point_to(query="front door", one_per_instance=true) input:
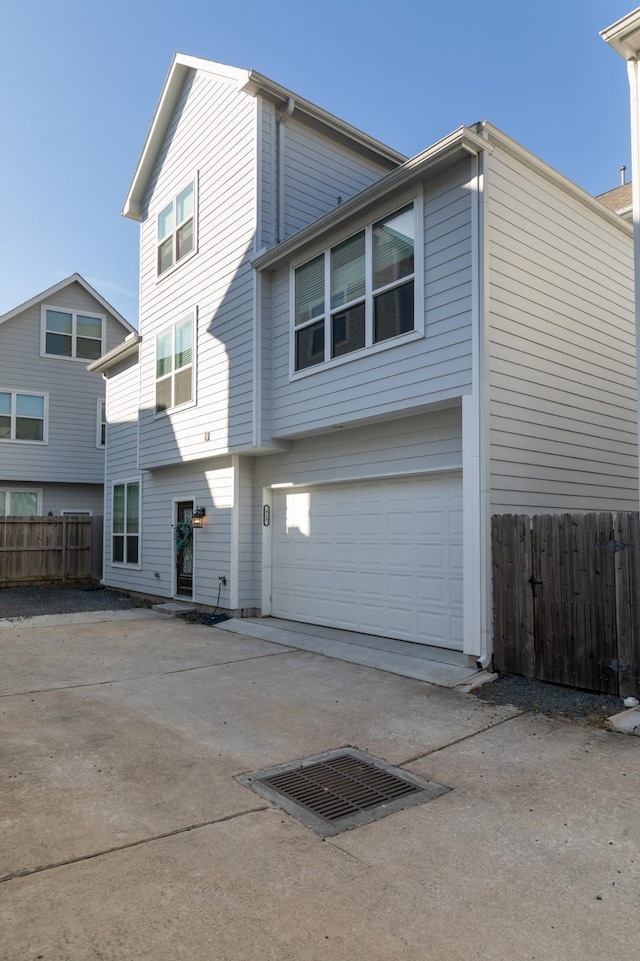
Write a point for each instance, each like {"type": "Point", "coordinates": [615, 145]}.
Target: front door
{"type": "Point", "coordinates": [184, 549]}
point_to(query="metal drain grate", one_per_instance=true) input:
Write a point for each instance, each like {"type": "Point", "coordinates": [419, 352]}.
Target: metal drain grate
{"type": "Point", "coordinates": [333, 792]}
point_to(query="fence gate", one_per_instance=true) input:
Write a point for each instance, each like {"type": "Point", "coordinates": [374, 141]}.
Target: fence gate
{"type": "Point", "coordinates": [567, 599]}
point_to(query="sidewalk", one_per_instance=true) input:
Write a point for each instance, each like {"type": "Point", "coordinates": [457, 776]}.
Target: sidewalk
{"type": "Point", "coordinates": [123, 739]}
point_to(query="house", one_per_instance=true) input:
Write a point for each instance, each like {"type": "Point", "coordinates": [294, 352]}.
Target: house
{"type": "Point", "coordinates": [52, 409]}
{"type": "Point", "coordinates": [350, 360]}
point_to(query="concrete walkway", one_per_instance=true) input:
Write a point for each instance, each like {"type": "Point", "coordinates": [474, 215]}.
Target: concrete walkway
{"type": "Point", "coordinates": [126, 835]}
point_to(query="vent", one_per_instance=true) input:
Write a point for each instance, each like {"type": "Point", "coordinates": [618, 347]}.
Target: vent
{"type": "Point", "coordinates": [340, 790]}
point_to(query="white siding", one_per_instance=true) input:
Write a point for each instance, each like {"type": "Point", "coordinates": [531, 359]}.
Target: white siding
{"type": "Point", "coordinates": [429, 442]}
{"type": "Point", "coordinates": [405, 377]}
{"type": "Point", "coordinates": [213, 132]}
{"type": "Point", "coordinates": [318, 172]}
{"type": "Point", "coordinates": [245, 506]}
{"type": "Point", "coordinates": [562, 386]}
{"type": "Point", "coordinates": [64, 497]}
{"type": "Point", "coordinates": [71, 454]}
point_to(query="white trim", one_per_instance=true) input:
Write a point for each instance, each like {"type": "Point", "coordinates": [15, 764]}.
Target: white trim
{"type": "Point", "coordinates": [174, 571]}
{"type": "Point", "coordinates": [356, 478]}
{"type": "Point", "coordinates": [193, 317]}
{"type": "Point", "coordinates": [265, 593]}
{"type": "Point", "coordinates": [134, 479]}
{"type": "Point", "coordinates": [50, 291]}
{"type": "Point", "coordinates": [416, 202]}
{"type": "Point", "coordinates": [234, 552]}
{"type": "Point", "coordinates": [23, 490]}
{"type": "Point", "coordinates": [100, 402]}
{"type": "Point", "coordinates": [45, 419]}
{"type": "Point", "coordinates": [195, 182]}
{"type": "Point", "coordinates": [94, 315]}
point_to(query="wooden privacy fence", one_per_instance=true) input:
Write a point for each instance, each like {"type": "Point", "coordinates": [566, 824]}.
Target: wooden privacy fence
{"type": "Point", "coordinates": [38, 549]}
{"type": "Point", "coordinates": [566, 599]}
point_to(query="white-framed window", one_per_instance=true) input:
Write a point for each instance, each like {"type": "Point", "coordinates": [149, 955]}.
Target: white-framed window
{"type": "Point", "coordinates": [175, 382]}
{"type": "Point", "coordinates": [101, 423]}
{"type": "Point", "coordinates": [176, 229]}
{"type": "Point", "coordinates": [23, 417]}
{"type": "Point", "coordinates": [125, 522]}
{"type": "Point", "coordinates": [72, 334]}
{"type": "Point", "coordinates": [20, 503]}
{"type": "Point", "coordinates": [359, 293]}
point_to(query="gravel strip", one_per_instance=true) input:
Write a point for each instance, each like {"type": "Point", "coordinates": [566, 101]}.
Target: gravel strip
{"type": "Point", "coordinates": [553, 700]}
{"type": "Point", "coordinates": [35, 601]}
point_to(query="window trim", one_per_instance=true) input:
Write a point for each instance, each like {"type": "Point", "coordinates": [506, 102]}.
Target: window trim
{"type": "Point", "coordinates": [74, 335]}
{"type": "Point", "coordinates": [101, 401]}
{"type": "Point", "coordinates": [194, 180]}
{"type": "Point", "coordinates": [83, 513]}
{"type": "Point", "coordinates": [193, 317]}
{"type": "Point", "coordinates": [45, 418]}
{"type": "Point", "coordinates": [371, 347]}
{"type": "Point", "coordinates": [24, 490]}
{"type": "Point", "coordinates": [136, 479]}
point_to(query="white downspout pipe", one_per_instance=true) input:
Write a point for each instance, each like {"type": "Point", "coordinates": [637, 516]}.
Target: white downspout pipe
{"type": "Point", "coordinates": [280, 123]}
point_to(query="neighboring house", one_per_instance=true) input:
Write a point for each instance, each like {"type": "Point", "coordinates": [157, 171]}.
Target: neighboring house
{"type": "Point", "coordinates": [352, 360]}
{"type": "Point", "coordinates": [619, 200]}
{"type": "Point", "coordinates": [52, 409]}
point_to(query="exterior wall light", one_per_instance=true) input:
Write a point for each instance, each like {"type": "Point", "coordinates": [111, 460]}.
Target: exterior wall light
{"type": "Point", "coordinates": [197, 518]}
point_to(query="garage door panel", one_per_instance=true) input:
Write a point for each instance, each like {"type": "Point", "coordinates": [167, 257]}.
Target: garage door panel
{"type": "Point", "coordinates": [383, 557]}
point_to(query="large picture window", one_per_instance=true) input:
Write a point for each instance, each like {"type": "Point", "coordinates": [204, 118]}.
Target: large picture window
{"type": "Point", "coordinates": [125, 523]}
{"type": "Point", "coordinates": [71, 334]}
{"type": "Point", "coordinates": [19, 503]}
{"type": "Point", "coordinates": [359, 293]}
{"type": "Point", "coordinates": [23, 417]}
{"type": "Point", "coordinates": [174, 366]}
{"type": "Point", "coordinates": [176, 229]}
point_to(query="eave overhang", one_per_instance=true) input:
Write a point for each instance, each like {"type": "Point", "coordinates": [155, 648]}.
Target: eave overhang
{"type": "Point", "coordinates": [624, 35]}
{"type": "Point", "coordinates": [128, 348]}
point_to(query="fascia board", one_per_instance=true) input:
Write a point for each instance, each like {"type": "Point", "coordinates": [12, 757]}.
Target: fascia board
{"type": "Point", "coordinates": [257, 83]}
{"type": "Point", "coordinates": [126, 349]}
{"type": "Point", "coordinates": [624, 35]}
{"type": "Point", "coordinates": [73, 279]}
{"type": "Point", "coordinates": [457, 144]}
{"type": "Point", "coordinates": [499, 139]}
{"type": "Point", "coordinates": [180, 67]}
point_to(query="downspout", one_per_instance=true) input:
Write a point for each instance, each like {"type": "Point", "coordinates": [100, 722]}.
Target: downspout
{"type": "Point", "coordinates": [280, 125]}
{"type": "Point", "coordinates": [634, 80]}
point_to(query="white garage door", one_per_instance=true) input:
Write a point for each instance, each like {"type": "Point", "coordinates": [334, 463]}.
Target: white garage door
{"type": "Point", "coordinates": [380, 557]}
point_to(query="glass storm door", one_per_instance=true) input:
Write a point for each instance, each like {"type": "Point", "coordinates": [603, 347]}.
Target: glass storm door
{"type": "Point", "coordinates": [184, 556]}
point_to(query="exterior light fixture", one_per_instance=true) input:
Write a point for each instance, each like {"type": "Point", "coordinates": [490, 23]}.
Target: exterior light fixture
{"type": "Point", "coordinates": [197, 518]}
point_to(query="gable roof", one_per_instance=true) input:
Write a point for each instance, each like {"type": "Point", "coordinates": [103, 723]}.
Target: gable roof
{"type": "Point", "coordinates": [620, 199]}
{"type": "Point", "coordinates": [73, 279]}
{"type": "Point", "coordinates": [252, 83]}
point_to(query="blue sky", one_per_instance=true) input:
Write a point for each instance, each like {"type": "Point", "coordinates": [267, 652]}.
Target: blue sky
{"type": "Point", "coordinates": [80, 81]}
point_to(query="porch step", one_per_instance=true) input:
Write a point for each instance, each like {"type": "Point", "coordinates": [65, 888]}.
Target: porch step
{"type": "Point", "coordinates": [173, 608]}
{"type": "Point", "coordinates": [385, 654]}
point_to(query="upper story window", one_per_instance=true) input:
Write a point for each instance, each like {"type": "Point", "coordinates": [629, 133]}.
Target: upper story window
{"type": "Point", "coordinates": [176, 229]}
{"type": "Point", "coordinates": [101, 426]}
{"type": "Point", "coordinates": [23, 417]}
{"type": "Point", "coordinates": [72, 334]}
{"type": "Point", "coordinates": [359, 293]}
{"type": "Point", "coordinates": [174, 366]}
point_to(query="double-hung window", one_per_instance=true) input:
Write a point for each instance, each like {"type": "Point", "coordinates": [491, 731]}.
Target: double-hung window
{"type": "Point", "coordinates": [72, 334]}
{"type": "Point", "coordinates": [359, 293]}
{"type": "Point", "coordinates": [125, 523]}
{"type": "Point", "coordinates": [19, 503]}
{"type": "Point", "coordinates": [174, 366]}
{"type": "Point", "coordinates": [101, 425]}
{"type": "Point", "coordinates": [23, 417]}
{"type": "Point", "coordinates": [176, 229]}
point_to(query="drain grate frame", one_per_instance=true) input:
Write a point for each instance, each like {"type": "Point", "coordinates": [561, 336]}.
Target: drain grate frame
{"type": "Point", "coordinates": [341, 789]}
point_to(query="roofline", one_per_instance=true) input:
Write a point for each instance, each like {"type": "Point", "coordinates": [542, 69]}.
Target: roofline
{"type": "Point", "coordinates": [252, 83]}
{"type": "Point", "coordinates": [461, 141]}
{"type": "Point", "coordinates": [50, 291]}
{"type": "Point", "coordinates": [257, 83]}
{"type": "Point", "coordinates": [470, 140]}
{"type": "Point", "coordinates": [624, 35]}
{"type": "Point", "coordinates": [126, 349]}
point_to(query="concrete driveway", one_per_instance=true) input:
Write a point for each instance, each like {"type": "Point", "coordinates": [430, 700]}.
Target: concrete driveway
{"type": "Point", "coordinates": [126, 836]}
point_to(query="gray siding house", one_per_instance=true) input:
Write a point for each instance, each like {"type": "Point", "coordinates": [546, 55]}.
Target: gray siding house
{"type": "Point", "coordinates": [351, 360]}
{"type": "Point", "coordinates": [52, 409]}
